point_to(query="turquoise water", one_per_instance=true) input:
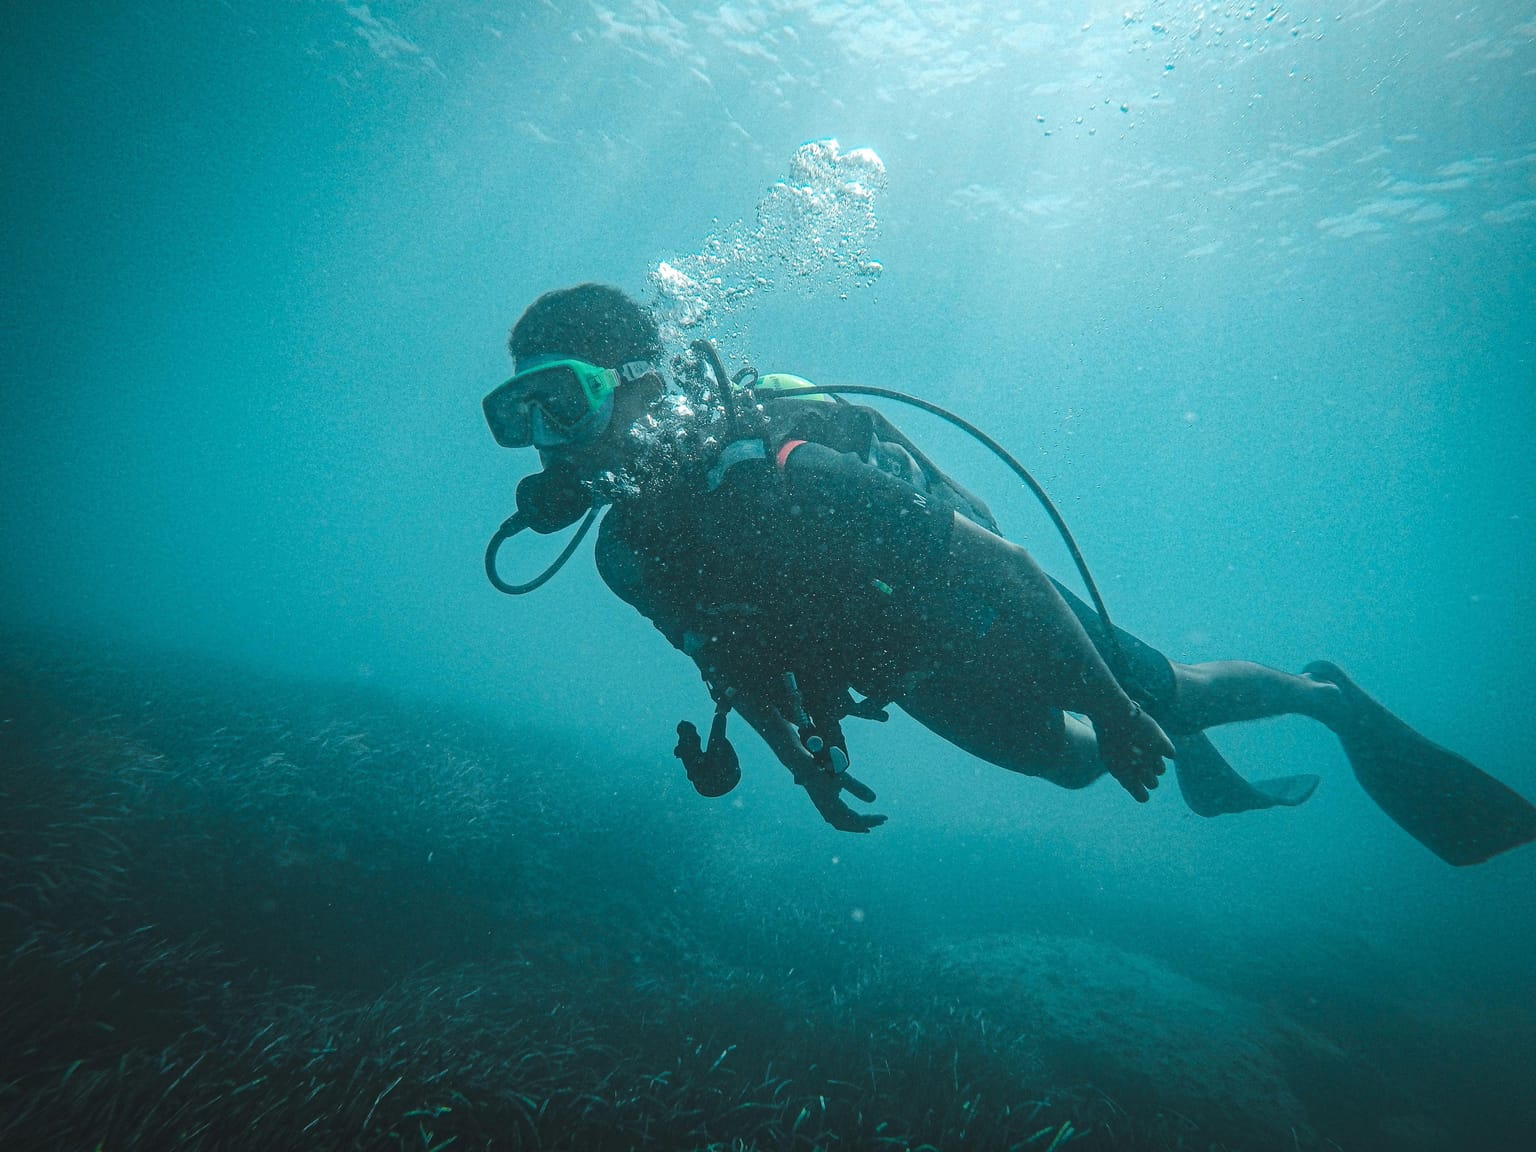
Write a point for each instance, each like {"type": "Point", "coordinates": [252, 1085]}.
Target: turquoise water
{"type": "Point", "coordinates": [1248, 286]}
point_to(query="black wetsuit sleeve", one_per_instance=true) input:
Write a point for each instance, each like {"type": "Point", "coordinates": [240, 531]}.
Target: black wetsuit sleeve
{"type": "Point", "coordinates": [639, 575]}
{"type": "Point", "coordinates": [966, 502]}
{"type": "Point", "coordinates": [621, 566]}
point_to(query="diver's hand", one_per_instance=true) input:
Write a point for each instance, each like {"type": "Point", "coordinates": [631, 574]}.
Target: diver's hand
{"type": "Point", "coordinates": [824, 788]}
{"type": "Point", "coordinates": [825, 791]}
{"type": "Point", "coordinates": [1132, 746]}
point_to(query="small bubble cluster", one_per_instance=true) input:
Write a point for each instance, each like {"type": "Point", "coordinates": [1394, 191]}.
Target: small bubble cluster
{"type": "Point", "coordinates": [674, 437]}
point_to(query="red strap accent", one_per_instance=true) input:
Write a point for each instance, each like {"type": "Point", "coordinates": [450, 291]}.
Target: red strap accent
{"type": "Point", "coordinates": [783, 454]}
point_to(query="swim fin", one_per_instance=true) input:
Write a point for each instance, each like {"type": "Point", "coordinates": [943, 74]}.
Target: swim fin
{"type": "Point", "coordinates": [1211, 788]}
{"type": "Point", "coordinates": [1444, 801]}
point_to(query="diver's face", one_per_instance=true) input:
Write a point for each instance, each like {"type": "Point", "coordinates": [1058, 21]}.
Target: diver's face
{"type": "Point", "coordinates": [606, 452]}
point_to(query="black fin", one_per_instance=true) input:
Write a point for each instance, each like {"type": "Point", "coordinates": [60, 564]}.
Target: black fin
{"type": "Point", "coordinates": [1444, 801]}
{"type": "Point", "coordinates": [1211, 788]}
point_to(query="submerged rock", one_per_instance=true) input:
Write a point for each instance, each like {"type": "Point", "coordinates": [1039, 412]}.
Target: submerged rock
{"type": "Point", "coordinates": [1148, 1037]}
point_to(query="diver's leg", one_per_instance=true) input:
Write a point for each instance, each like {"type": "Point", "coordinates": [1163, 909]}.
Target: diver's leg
{"type": "Point", "coordinates": [1230, 691]}
{"type": "Point", "coordinates": [926, 556]}
{"type": "Point", "coordinates": [1011, 733]}
{"type": "Point", "coordinates": [1054, 657]}
{"type": "Point", "coordinates": [1079, 765]}
{"type": "Point", "coordinates": [1207, 782]}
{"type": "Point", "coordinates": [1187, 698]}
{"type": "Point", "coordinates": [983, 716]}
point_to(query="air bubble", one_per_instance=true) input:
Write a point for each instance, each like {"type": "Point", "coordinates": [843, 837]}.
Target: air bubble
{"type": "Point", "coordinates": [812, 229]}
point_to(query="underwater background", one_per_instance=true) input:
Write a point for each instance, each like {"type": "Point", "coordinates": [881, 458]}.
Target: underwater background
{"type": "Point", "coordinates": [310, 839]}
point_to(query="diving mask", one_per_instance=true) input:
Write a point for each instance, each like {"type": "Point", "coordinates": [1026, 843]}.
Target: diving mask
{"type": "Point", "coordinates": [556, 400]}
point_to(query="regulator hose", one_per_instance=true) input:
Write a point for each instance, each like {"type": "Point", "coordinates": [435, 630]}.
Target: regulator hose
{"type": "Point", "coordinates": [510, 527]}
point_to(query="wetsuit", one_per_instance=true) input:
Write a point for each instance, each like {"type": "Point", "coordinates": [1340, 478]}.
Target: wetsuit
{"type": "Point", "coordinates": [832, 562]}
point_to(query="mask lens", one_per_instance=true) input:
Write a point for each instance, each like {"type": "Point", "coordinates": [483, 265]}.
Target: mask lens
{"type": "Point", "coordinates": [555, 392]}
{"type": "Point", "coordinates": [509, 417]}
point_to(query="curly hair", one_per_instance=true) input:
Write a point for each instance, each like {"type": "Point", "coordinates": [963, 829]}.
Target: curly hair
{"type": "Point", "coordinates": [597, 323]}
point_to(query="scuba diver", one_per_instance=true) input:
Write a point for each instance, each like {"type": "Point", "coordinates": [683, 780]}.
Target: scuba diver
{"type": "Point", "coordinates": [801, 549]}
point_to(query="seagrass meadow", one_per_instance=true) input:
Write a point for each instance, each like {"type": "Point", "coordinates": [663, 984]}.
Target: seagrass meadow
{"type": "Point", "coordinates": [251, 915]}
{"type": "Point", "coordinates": [243, 912]}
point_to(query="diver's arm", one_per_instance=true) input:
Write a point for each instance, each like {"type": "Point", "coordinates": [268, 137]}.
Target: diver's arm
{"type": "Point", "coordinates": [620, 567]}
{"type": "Point", "coordinates": [778, 733]}
{"type": "Point", "coordinates": [1067, 670]}
{"type": "Point", "coordinates": [933, 474]}
{"type": "Point", "coordinates": [824, 789]}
